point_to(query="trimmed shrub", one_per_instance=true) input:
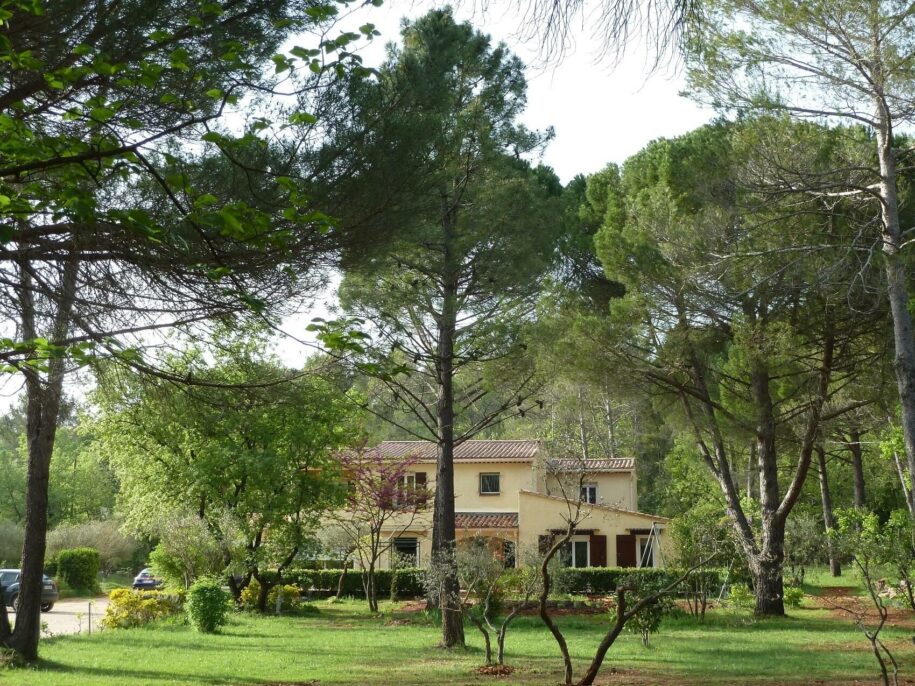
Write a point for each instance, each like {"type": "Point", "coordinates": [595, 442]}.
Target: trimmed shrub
{"type": "Point", "coordinates": [207, 605]}
{"type": "Point", "coordinates": [114, 548]}
{"type": "Point", "coordinates": [291, 596]}
{"type": "Point", "coordinates": [604, 580]}
{"type": "Point", "coordinates": [79, 568]}
{"type": "Point", "coordinates": [128, 609]}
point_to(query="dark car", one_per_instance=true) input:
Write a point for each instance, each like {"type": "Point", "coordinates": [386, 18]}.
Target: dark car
{"type": "Point", "coordinates": [146, 581]}
{"type": "Point", "coordinates": [9, 579]}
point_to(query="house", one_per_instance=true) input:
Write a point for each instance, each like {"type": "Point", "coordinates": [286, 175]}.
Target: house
{"type": "Point", "coordinates": [513, 495]}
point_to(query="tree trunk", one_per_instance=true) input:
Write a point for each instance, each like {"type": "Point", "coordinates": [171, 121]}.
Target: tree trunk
{"type": "Point", "coordinates": [371, 592]}
{"type": "Point", "coordinates": [544, 611]}
{"type": "Point", "coordinates": [443, 529]}
{"type": "Point", "coordinates": [897, 287]}
{"type": "Point", "coordinates": [341, 580]}
{"type": "Point", "coordinates": [766, 570]}
{"type": "Point", "coordinates": [42, 413]}
{"type": "Point", "coordinates": [582, 429]}
{"type": "Point", "coordinates": [262, 593]}
{"type": "Point", "coordinates": [611, 424]}
{"type": "Point", "coordinates": [857, 468]}
{"type": "Point", "coordinates": [829, 520]}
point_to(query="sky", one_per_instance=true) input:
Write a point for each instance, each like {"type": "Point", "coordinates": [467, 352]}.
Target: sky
{"type": "Point", "coordinates": [601, 113]}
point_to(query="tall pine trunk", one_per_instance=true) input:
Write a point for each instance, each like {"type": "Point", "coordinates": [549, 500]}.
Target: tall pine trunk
{"type": "Point", "coordinates": [829, 520]}
{"type": "Point", "coordinates": [897, 287]}
{"type": "Point", "coordinates": [443, 528]}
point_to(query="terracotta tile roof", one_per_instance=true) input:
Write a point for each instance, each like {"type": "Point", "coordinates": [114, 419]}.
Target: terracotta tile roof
{"type": "Point", "coordinates": [615, 464]}
{"type": "Point", "coordinates": [523, 451]}
{"type": "Point", "coordinates": [486, 520]}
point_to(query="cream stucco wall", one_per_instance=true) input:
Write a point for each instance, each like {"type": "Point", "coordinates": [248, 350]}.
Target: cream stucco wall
{"type": "Point", "coordinates": [615, 489]}
{"type": "Point", "coordinates": [539, 515]}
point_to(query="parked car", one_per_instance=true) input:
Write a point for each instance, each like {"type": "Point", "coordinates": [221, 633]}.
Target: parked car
{"type": "Point", "coordinates": [9, 579]}
{"type": "Point", "coordinates": [146, 581]}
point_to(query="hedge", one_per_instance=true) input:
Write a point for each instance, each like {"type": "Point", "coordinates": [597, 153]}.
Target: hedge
{"type": "Point", "coordinates": [604, 580]}
{"type": "Point", "coordinates": [409, 581]}
{"type": "Point", "coordinates": [79, 568]}
{"type": "Point", "coordinates": [589, 580]}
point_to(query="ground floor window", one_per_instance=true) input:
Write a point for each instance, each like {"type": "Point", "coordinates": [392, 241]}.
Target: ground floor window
{"type": "Point", "coordinates": [406, 551]}
{"type": "Point", "coordinates": [576, 553]}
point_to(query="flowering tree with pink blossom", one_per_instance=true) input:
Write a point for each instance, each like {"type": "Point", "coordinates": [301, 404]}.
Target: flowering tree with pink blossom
{"type": "Point", "coordinates": [383, 498]}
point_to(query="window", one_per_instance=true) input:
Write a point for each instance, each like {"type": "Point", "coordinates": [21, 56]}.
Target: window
{"type": "Point", "coordinates": [407, 550]}
{"type": "Point", "coordinates": [489, 484]}
{"type": "Point", "coordinates": [589, 493]}
{"type": "Point", "coordinates": [646, 552]}
{"type": "Point", "coordinates": [576, 553]}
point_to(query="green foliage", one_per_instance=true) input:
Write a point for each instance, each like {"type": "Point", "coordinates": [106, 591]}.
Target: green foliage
{"type": "Point", "coordinates": [290, 594]}
{"type": "Point", "coordinates": [207, 605]}
{"type": "Point", "coordinates": [186, 551]}
{"type": "Point", "coordinates": [793, 596]}
{"type": "Point", "coordinates": [128, 609]}
{"type": "Point", "coordinates": [805, 546]}
{"type": "Point", "coordinates": [646, 621]}
{"type": "Point", "coordinates": [79, 568]}
{"type": "Point", "coordinates": [605, 580]}
{"type": "Point", "coordinates": [114, 548]}
{"type": "Point", "coordinates": [740, 597]}
{"type": "Point", "coordinates": [11, 536]}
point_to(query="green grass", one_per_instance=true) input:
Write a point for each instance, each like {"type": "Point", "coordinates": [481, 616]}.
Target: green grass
{"type": "Point", "coordinates": [344, 645]}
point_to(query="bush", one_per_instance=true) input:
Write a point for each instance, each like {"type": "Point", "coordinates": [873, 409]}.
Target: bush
{"type": "Point", "coordinates": [740, 597]}
{"type": "Point", "coordinates": [604, 580]}
{"type": "Point", "coordinates": [11, 536]}
{"type": "Point", "coordinates": [207, 605]}
{"type": "Point", "coordinates": [79, 568]}
{"type": "Point", "coordinates": [291, 596]}
{"type": "Point", "coordinates": [793, 596]}
{"type": "Point", "coordinates": [128, 609]}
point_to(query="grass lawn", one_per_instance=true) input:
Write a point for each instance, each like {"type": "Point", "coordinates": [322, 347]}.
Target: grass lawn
{"type": "Point", "coordinates": [343, 644]}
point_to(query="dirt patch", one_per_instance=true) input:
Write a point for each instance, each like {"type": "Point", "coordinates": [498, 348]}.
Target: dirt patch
{"type": "Point", "coordinates": [842, 603]}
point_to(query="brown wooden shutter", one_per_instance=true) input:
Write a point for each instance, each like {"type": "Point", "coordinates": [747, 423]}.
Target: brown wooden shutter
{"type": "Point", "coordinates": [625, 550]}
{"type": "Point", "coordinates": [420, 479]}
{"type": "Point", "coordinates": [598, 551]}
{"type": "Point", "coordinates": [544, 542]}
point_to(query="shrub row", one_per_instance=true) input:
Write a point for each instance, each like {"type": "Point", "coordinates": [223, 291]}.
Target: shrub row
{"type": "Point", "coordinates": [409, 581]}
{"type": "Point", "coordinates": [604, 580]}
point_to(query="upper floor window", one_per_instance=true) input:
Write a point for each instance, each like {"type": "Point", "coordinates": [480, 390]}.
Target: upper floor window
{"type": "Point", "coordinates": [489, 484]}
{"type": "Point", "coordinates": [589, 493]}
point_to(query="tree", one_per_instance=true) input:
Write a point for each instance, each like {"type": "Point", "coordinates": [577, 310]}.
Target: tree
{"type": "Point", "coordinates": [712, 317]}
{"type": "Point", "coordinates": [449, 297]}
{"type": "Point", "coordinates": [108, 228]}
{"type": "Point", "coordinates": [253, 464]}
{"type": "Point", "coordinates": [845, 61]}
{"type": "Point", "coordinates": [381, 504]}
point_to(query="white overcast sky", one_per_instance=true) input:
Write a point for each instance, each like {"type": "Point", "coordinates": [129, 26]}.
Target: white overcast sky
{"type": "Point", "coordinates": [601, 113]}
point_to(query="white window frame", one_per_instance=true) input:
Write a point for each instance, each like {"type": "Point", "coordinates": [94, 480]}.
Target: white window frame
{"type": "Point", "coordinates": [571, 550]}
{"type": "Point", "coordinates": [498, 476]}
{"type": "Point", "coordinates": [586, 491]}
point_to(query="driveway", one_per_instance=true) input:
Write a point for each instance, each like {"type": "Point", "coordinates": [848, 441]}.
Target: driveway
{"type": "Point", "coordinates": [72, 616]}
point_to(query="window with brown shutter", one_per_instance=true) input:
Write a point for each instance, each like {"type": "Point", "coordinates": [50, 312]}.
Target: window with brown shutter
{"type": "Point", "coordinates": [625, 550]}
